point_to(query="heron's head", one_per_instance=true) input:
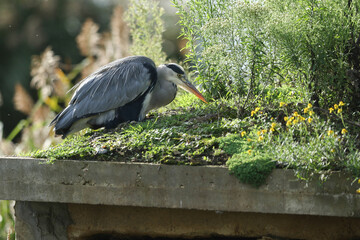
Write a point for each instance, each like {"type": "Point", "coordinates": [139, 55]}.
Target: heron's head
{"type": "Point", "coordinates": [176, 74]}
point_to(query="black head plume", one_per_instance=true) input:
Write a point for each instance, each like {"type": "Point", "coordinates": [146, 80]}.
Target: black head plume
{"type": "Point", "coordinates": [175, 68]}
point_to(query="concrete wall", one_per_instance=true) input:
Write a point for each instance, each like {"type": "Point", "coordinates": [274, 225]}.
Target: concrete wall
{"type": "Point", "coordinates": [60, 221]}
{"type": "Point", "coordinates": [192, 200]}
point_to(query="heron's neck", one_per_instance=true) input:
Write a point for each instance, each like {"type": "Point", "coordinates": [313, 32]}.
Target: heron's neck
{"type": "Point", "coordinates": [164, 93]}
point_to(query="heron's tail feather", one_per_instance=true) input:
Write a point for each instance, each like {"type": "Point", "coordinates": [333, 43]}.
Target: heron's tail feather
{"type": "Point", "coordinates": [64, 122]}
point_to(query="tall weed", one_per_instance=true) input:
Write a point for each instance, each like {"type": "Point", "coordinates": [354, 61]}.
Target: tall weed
{"type": "Point", "coordinates": [229, 47]}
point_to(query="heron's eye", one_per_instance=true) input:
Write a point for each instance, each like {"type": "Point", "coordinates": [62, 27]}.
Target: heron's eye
{"type": "Point", "coordinates": [179, 75]}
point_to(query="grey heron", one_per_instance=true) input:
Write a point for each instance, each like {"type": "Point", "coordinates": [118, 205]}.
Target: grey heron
{"type": "Point", "coordinates": [123, 90]}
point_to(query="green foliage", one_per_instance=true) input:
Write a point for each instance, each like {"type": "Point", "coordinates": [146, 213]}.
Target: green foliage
{"type": "Point", "coordinates": [249, 49]}
{"type": "Point", "coordinates": [306, 142]}
{"type": "Point", "coordinates": [316, 43]}
{"type": "Point", "coordinates": [227, 47]}
{"type": "Point", "coordinates": [253, 170]}
{"type": "Point", "coordinates": [232, 143]}
{"type": "Point", "coordinates": [6, 221]}
{"type": "Point", "coordinates": [265, 53]}
{"type": "Point", "coordinates": [146, 28]}
{"type": "Point", "coordinates": [247, 163]}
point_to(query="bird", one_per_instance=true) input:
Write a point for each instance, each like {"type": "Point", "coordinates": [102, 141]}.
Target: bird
{"type": "Point", "coordinates": [124, 90]}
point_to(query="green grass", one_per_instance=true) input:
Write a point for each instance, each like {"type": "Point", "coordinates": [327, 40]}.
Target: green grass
{"type": "Point", "coordinates": [189, 132]}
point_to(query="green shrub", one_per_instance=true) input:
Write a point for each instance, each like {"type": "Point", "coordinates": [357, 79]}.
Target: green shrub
{"type": "Point", "coordinates": [248, 49]}
{"type": "Point", "coordinates": [251, 170]}
{"type": "Point", "coordinates": [227, 47]}
{"type": "Point", "coordinates": [319, 47]}
{"type": "Point", "coordinates": [250, 162]}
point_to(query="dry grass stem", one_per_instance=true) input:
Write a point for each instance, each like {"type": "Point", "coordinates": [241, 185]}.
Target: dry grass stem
{"type": "Point", "coordinates": [41, 114]}
{"type": "Point", "coordinates": [43, 71]}
{"type": "Point", "coordinates": [22, 100]}
{"type": "Point", "coordinates": [103, 48]}
{"type": "Point", "coordinates": [88, 39]}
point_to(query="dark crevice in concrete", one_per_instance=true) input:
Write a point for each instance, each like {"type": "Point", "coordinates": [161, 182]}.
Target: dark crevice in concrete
{"type": "Point", "coordinates": [113, 236]}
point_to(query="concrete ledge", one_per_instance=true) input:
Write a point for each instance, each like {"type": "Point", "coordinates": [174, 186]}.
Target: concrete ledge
{"type": "Point", "coordinates": [178, 187]}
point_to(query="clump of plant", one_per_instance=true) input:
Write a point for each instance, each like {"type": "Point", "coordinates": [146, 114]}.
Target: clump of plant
{"type": "Point", "coordinates": [247, 50]}
{"type": "Point", "coordinates": [252, 170]}
{"type": "Point", "coordinates": [319, 48]}
{"type": "Point", "coordinates": [228, 47]}
{"type": "Point", "coordinates": [314, 145]}
{"type": "Point", "coordinates": [249, 162]}
{"type": "Point", "coordinates": [301, 140]}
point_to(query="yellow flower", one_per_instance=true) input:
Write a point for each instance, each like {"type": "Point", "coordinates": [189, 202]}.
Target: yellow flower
{"type": "Point", "coordinates": [249, 140]}
{"type": "Point", "coordinates": [263, 131]}
{"type": "Point", "coordinates": [258, 133]}
{"type": "Point", "coordinates": [272, 129]}
{"type": "Point", "coordinates": [309, 105]}
{"type": "Point", "coordinates": [344, 131]}
{"type": "Point", "coordinates": [336, 106]}
{"type": "Point", "coordinates": [249, 151]}
{"type": "Point", "coordinates": [310, 120]}
{"type": "Point", "coordinates": [260, 138]}
{"type": "Point", "coordinates": [286, 119]}
{"type": "Point", "coordinates": [359, 181]}
{"type": "Point", "coordinates": [358, 191]}
{"type": "Point", "coordinates": [252, 113]}
{"type": "Point", "coordinates": [273, 125]}
{"type": "Point", "coordinates": [295, 121]}
{"type": "Point", "coordinates": [330, 132]}
{"type": "Point", "coordinates": [243, 133]}
{"type": "Point", "coordinates": [311, 113]}
{"type": "Point", "coordinates": [288, 123]}
{"type": "Point", "coordinates": [282, 104]}
{"type": "Point", "coordinates": [306, 110]}
{"type": "Point", "coordinates": [296, 114]}
{"type": "Point", "coordinates": [339, 110]}
{"type": "Point", "coordinates": [257, 109]}
{"type": "Point", "coordinates": [331, 110]}
{"type": "Point", "coordinates": [332, 150]}
{"type": "Point", "coordinates": [341, 103]}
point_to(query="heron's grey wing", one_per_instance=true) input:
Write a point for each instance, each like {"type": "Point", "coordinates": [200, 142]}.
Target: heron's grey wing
{"type": "Point", "coordinates": [113, 86]}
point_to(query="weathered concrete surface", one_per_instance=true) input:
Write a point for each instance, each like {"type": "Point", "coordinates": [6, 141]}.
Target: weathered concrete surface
{"type": "Point", "coordinates": [160, 222]}
{"type": "Point", "coordinates": [59, 221]}
{"type": "Point", "coordinates": [39, 220]}
{"type": "Point", "coordinates": [164, 186]}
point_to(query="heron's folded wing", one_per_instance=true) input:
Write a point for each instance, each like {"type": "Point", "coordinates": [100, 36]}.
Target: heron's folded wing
{"type": "Point", "coordinates": [113, 86]}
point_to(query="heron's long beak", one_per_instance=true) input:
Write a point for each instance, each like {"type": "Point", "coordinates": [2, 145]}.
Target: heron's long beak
{"type": "Point", "coordinates": [187, 86]}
